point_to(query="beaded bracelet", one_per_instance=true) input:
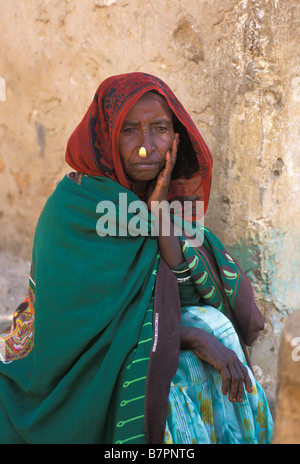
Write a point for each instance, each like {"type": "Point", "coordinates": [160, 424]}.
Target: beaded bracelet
{"type": "Point", "coordinates": [180, 272]}
{"type": "Point", "coordinates": [180, 280]}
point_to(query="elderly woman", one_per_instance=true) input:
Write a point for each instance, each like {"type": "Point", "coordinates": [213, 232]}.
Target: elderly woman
{"type": "Point", "coordinates": [132, 337]}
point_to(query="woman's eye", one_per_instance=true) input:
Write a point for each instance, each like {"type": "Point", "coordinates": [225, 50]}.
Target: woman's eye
{"type": "Point", "coordinates": [161, 129]}
{"type": "Point", "coordinates": [128, 130]}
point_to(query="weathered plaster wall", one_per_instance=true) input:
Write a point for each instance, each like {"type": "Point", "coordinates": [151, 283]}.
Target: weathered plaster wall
{"type": "Point", "coordinates": [235, 66]}
{"type": "Point", "coordinates": [287, 426]}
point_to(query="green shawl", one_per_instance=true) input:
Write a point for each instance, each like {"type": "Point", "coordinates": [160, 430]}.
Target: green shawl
{"type": "Point", "coordinates": [100, 366]}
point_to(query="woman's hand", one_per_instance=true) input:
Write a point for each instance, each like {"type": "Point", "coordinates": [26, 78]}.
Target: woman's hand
{"type": "Point", "coordinates": [158, 190]}
{"type": "Point", "coordinates": [233, 372]}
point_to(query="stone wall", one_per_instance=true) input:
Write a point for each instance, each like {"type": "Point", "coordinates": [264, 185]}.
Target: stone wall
{"type": "Point", "coordinates": [234, 64]}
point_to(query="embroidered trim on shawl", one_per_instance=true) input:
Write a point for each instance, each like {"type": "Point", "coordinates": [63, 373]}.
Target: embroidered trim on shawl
{"type": "Point", "coordinates": [18, 342]}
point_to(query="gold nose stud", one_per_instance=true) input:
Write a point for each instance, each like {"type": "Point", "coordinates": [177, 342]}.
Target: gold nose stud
{"type": "Point", "coordinates": [142, 152]}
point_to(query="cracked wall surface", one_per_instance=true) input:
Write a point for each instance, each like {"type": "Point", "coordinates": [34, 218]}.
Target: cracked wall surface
{"type": "Point", "coordinates": [235, 67]}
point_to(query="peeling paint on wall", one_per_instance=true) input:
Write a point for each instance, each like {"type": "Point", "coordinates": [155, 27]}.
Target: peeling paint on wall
{"type": "Point", "coordinates": [271, 262]}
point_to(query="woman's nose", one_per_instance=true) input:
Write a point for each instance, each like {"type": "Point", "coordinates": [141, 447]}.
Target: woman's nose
{"type": "Point", "coordinates": [147, 142]}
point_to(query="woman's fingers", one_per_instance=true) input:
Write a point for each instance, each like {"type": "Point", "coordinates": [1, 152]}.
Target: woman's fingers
{"type": "Point", "coordinates": [174, 149]}
{"type": "Point", "coordinates": [166, 172]}
{"type": "Point", "coordinates": [238, 379]}
{"type": "Point", "coordinates": [226, 379]}
{"type": "Point", "coordinates": [171, 157]}
{"type": "Point", "coordinates": [247, 380]}
{"type": "Point", "coordinates": [232, 383]}
{"type": "Point", "coordinates": [163, 179]}
{"type": "Point", "coordinates": [235, 377]}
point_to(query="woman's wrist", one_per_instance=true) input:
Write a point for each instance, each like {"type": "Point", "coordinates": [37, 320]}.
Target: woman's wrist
{"type": "Point", "coordinates": [189, 337]}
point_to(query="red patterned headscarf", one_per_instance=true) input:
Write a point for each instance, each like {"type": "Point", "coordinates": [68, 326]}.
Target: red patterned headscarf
{"type": "Point", "coordinates": [93, 146]}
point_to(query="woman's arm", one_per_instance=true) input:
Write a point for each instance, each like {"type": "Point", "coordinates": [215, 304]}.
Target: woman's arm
{"type": "Point", "coordinates": [169, 246]}
{"type": "Point", "coordinates": [205, 346]}
{"type": "Point", "coordinates": [233, 372]}
{"type": "Point", "coordinates": [169, 243]}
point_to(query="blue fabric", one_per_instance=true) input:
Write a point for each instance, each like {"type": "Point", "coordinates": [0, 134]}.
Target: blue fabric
{"type": "Point", "coordinates": [198, 412]}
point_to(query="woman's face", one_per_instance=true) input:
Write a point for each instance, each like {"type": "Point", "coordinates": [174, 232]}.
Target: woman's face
{"type": "Point", "coordinates": [147, 124]}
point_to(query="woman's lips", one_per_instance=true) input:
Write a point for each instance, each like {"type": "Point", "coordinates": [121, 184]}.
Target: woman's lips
{"type": "Point", "coordinates": [147, 165]}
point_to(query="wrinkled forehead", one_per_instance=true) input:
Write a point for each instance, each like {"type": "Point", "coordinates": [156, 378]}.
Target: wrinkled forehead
{"type": "Point", "coordinates": [150, 102]}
